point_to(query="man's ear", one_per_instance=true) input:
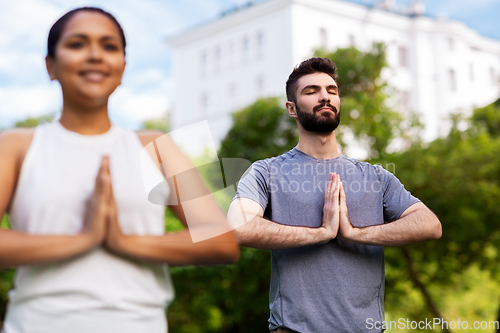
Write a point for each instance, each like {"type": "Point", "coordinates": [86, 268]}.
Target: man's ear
{"type": "Point", "coordinates": [48, 64]}
{"type": "Point", "coordinates": [290, 108]}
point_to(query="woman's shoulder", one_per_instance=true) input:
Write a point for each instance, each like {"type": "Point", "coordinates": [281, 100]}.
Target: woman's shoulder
{"type": "Point", "coordinates": [146, 136]}
{"type": "Point", "coordinates": [14, 145]}
{"type": "Point", "coordinates": [16, 140]}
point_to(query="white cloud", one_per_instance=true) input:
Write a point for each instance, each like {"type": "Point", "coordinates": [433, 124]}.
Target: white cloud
{"type": "Point", "coordinates": [26, 21]}
{"type": "Point", "coordinates": [19, 102]}
{"type": "Point", "coordinates": [144, 77]}
{"type": "Point", "coordinates": [138, 106]}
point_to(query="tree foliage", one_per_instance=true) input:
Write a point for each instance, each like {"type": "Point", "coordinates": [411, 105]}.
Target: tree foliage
{"type": "Point", "coordinates": [366, 108]}
{"type": "Point", "coordinates": [261, 130]}
{"type": "Point", "coordinates": [458, 177]}
{"type": "Point", "coordinates": [222, 299]}
{"type": "Point", "coordinates": [34, 121]}
{"type": "Point", "coordinates": [161, 123]}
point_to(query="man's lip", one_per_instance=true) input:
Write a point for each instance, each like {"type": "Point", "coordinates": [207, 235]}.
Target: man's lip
{"type": "Point", "coordinates": [326, 108]}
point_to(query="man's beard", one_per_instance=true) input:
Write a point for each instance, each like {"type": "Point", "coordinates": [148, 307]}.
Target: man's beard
{"type": "Point", "coordinates": [311, 122]}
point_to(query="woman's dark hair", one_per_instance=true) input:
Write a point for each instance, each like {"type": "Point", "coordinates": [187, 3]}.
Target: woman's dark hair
{"type": "Point", "coordinates": [58, 27]}
{"type": "Point", "coordinates": [309, 66]}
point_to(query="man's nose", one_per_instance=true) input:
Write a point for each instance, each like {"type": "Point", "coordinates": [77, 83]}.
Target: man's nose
{"type": "Point", "coordinates": [324, 96]}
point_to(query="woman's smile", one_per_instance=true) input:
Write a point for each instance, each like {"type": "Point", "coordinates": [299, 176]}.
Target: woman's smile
{"type": "Point", "coordinates": [89, 60]}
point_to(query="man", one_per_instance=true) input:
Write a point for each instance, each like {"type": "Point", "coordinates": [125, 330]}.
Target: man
{"type": "Point", "coordinates": [324, 218]}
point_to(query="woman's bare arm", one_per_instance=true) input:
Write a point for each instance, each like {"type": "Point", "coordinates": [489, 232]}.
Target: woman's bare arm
{"type": "Point", "coordinates": [18, 248]}
{"type": "Point", "coordinates": [208, 238]}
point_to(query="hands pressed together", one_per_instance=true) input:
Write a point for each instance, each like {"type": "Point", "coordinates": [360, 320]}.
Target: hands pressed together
{"type": "Point", "coordinates": [101, 227]}
{"type": "Point", "coordinates": [101, 220]}
{"type": "Point", "coordinates": [335, 216]}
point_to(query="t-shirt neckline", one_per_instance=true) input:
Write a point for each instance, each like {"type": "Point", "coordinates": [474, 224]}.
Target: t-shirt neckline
{"type": "Point", "coordinates": [296, 151]}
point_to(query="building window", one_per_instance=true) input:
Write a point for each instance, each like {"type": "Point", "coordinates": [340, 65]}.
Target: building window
{"type": "Point", "coordinates": [217, 58]}
{"type": "Point", "coordinates": [323, 38]}
{"type": "Point", "coordinates": [245, 45]}
{"type": "Point", "coordinates": [204, 103]}
{"type": "Point", "coordinates": [233, 94]}
{"type": "Point", "coordinates": [259, 85]}
{"type": "Point", "coordinates": [403, 57]}
{"type": "Point", "coordinates": [452, 79]}
{"type": "Point", "coordinates": [451, 44]}
{"type": "Point", "coordinates": [260, 45]}
{"type": "Point", "coordinates": [471, 72]}
{"type": "Point", "coordinates": [203, 63]}
{"type": "Point", "coordinates": [231, 54]}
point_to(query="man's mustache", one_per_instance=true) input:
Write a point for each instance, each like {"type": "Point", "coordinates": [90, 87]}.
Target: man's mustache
{"type": "Point", "coordinates": [322, 105]}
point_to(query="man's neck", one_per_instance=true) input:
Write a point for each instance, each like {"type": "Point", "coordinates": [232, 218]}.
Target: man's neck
{"type": "Point", "coordinates": [321, 146]}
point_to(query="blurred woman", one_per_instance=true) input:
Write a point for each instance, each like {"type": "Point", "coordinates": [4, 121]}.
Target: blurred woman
{"type": "Point", "coordinates": [87, 243]}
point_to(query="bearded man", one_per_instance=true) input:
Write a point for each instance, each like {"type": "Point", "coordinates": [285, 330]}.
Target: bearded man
{"type": "Point", "coordinates": [325, 217]}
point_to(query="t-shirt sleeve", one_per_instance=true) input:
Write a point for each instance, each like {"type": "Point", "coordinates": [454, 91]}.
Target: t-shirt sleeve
{"type": "Point", "coordinates": [254, 184]}
{"type": "Point", "coordinates": [396, 199]}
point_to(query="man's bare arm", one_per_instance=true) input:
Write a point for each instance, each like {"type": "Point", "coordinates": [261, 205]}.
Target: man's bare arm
{"type": "Point", "coordinates": [416, 224]}
{"type": "Point", "coordinates": [252, 230]}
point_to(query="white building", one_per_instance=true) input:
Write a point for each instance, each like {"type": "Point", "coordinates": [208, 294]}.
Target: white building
{"type": "Point", "coordinates": [437, 66]}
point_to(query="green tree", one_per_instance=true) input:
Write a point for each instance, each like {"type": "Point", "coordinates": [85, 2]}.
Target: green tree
{"type": "Point", "coordinates": [34, 121]}
{"type": "Point", "coordinates": [458, 177]}
{"type": "Point", "coordinates": [161, 123]}
{"type": "Point", "coordinates": [235, 298]}
{"type": "Point", "coordinates": [261, 130]}
{"type": "Point", "coordinates": [222, 299]}
{"type": "Point", "coordinates": [366, 107]}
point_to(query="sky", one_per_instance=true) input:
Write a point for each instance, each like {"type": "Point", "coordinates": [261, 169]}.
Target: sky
{"type": "Point", "coordinates": [147, 86]}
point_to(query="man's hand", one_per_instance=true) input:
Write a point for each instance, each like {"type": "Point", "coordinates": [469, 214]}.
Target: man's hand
{"type": "Point", "coordinates": [416, 224]}
{"type": "Point", "coordinates": [346, 230]}
{"type": "Point", "coordinates": [331, 208]}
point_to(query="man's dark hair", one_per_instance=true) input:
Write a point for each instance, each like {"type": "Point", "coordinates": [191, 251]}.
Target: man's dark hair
{"type": "Point", "coordinates": [306, 67]}
{"type": "Point", "coordinates": [58, 27]}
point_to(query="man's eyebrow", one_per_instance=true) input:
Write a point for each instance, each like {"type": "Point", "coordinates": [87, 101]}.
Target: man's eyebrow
{"type": "Point", "coordinates": [310, 86]}
{"type": "Point", "coordinates": [316, 87]}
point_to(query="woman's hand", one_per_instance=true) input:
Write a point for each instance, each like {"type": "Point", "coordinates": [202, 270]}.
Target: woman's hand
{"type": "Point", "coordinates": [97, 215]}
{"type": "Point", "coordinates": [115, 239]}
{"type": "Point", "coordinates": [177, 248]}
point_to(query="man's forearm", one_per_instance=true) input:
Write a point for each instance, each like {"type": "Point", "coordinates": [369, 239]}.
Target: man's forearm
{"type": "Point", "coordinates": [415, 227]}
{"type": "Point", "coordinates": [261, 233]}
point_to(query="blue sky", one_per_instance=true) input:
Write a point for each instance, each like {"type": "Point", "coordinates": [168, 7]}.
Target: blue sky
{"type": "Point", "coordinates": [146, 91]}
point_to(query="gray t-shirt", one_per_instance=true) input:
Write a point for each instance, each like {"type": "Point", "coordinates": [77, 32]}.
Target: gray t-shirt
{"type": "Point", "coordinates": [338, 286]}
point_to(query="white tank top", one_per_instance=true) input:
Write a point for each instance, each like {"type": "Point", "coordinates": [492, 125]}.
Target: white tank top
{"type": "Point", "coordinates": [96, 291]}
